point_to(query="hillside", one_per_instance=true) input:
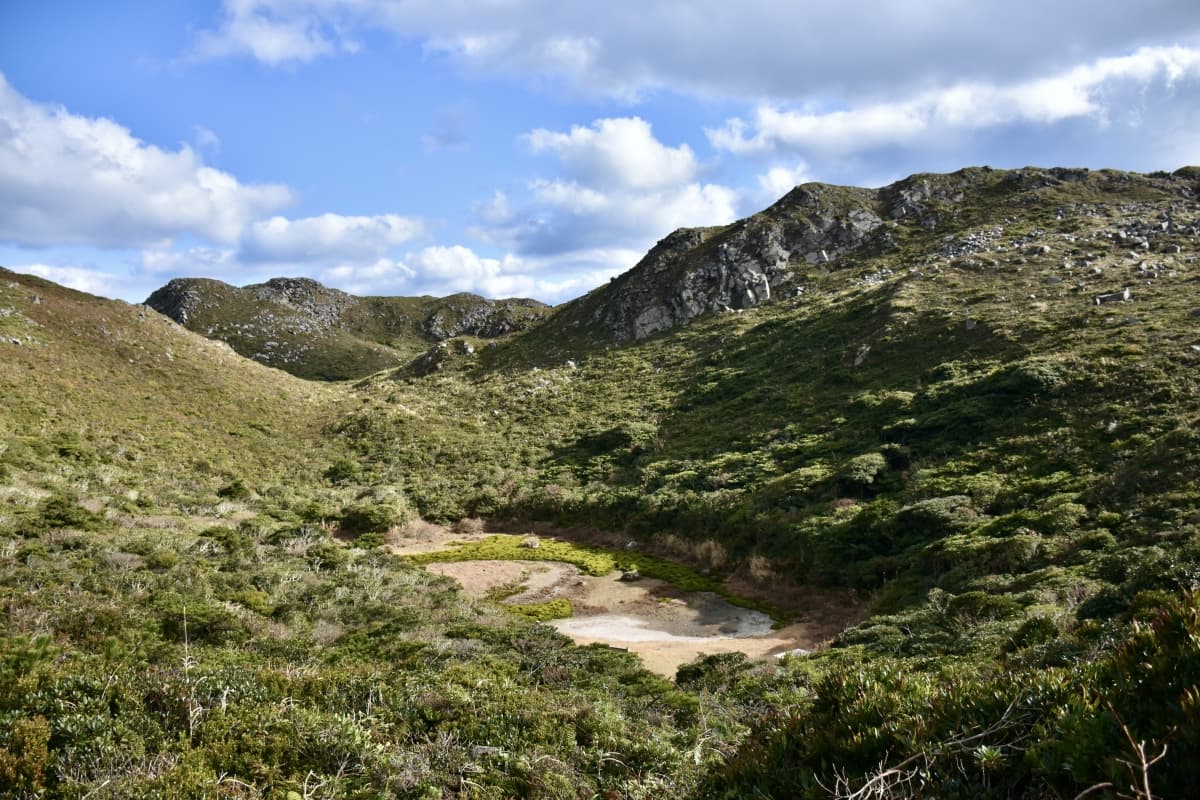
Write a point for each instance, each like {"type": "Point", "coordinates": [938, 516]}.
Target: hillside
{"type": "Point", "coordinates": [309, 330]}
{"type": "Point", "coordinates": [967, 403]}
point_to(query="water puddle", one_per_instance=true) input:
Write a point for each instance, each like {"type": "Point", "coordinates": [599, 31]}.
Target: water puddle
{"type": "Point", "coordinates": [665, 626]}
{"type": "Point", "coordinates": [630, 629]}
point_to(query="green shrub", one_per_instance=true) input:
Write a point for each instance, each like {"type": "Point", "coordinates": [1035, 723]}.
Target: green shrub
{"type": "Point", "coordinates": [377, 511]}
{"type": "Point", "coordinates": [59, 511]}
{"type": "Point", "coordinates": [343, 471]}
{"type": "Point", "coordinates": [192, 619]}
{"type": "Point", "coordinates": [862, 471]}
{"type": "Point", "coordinates": [971, 608]}
{"type": "Point", "coordinates": [24, 757]}
{"type": "Point", "coordinates": [938, 516]}
{"type": "Point", "coordinates": [234, 490]}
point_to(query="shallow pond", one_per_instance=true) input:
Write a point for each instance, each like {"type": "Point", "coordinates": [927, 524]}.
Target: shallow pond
{"type": "Point", "coordinates": [664, 625]}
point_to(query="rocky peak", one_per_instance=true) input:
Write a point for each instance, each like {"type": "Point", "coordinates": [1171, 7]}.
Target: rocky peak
{"type": "Point", "coordinates": [179, 299]}
{"type": "Point", "coordinates": [322, 305]}
{"type": "Point", "coordinates": [311, 330]}
{"type": "Point", "coordinates": [699, 270]}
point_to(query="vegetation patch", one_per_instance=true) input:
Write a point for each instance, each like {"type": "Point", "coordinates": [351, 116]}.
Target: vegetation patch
{"type": "Point", "coordinates": [558, 608]}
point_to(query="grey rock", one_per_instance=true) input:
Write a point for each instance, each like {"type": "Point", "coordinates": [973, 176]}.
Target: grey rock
{"type": "Point", "coordinates": [429, 362]}
{"type": "Point", "coordinates": [696, 271]}
{"type": "Point", "coordinates": [796, 651]}
{"type": "Point", "coordinates": [1121, 296]}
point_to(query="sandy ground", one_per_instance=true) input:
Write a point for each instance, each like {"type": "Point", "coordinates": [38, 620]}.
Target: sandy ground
{"type": "Point", "coordinates": [666, 627]}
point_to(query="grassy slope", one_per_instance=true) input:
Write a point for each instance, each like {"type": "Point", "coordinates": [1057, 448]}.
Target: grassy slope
{"type": "Point", "coordinates": [1007, 470]}
{"type": "Point", "coordinates": [1008, 473]}
{"type": "Point", "coordinates": [146, 405]}
{"type": "Point", "coordinates": [178, 621]}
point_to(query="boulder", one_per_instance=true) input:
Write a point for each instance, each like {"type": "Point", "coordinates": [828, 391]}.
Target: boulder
{"type": "Point", "coordinates": [1121, 296]}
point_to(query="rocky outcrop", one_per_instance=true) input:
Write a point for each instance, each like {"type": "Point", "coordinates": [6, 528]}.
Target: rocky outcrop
{"type": "Point", "coordinates": [472, 315]}
{"type": "Point", "coordinates": [816, 229]}
{"type": "Point", "coordinates": [322, 306]}
{"type": "Point", "coordinates": [178, 299]}
{"type": "Point", "coordinates": [696, 271]}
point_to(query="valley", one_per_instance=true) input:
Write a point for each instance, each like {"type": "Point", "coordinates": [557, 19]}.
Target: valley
{"type": "Point", "coordinates": [944, 436]}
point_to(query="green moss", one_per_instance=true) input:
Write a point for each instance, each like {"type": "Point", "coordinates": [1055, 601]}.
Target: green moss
{"type": "Point", "coordinates": [559, 608]}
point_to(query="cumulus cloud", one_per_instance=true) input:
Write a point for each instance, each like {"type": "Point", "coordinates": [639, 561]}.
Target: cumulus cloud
{"type": "Point", "coordinates": [172, 262]}
{"type": "Point", "coordinates": [784, 51]}
{"type": "Point", "coordinates": [84, 279]}
{"type": "Point", "coordinates": [617, 153]}
{"type": "Point", "coordinates": [327, 237]}
{"type": "Point", "coordinates": [205, 139]}
{"type": "Point", "coordinates": [383, 276]}
{"type": "Point", "coordinates": [67, 179]}
{"type": "Point", "coordinates": [779, 180]}
{"type": "Point", "coordinates": [443, 270]}
{"type": "Point", "coordinates": [570, 215]}
{"type": "Point", "coordinates": [1095, 90]}
{"type": "Point", "coordinates": [496, 210]}
{"type": "Point", "coordinates": [272, 32]}
{"type": "Point", "coordinates": [618, 186]}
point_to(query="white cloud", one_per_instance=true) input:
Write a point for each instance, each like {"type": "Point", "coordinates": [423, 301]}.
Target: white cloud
{"type": "Point", "coordinates": [619, 187]}
{"type": "Point", "coordinates": [753, 48]}
{"type": "Point", "coordinates": [189, 262]}
{"type": "Point", "coordinates": [327, 237]}
{"type": "Point", "coordinates": [619, 153]}
{"type": "Point", "coordinates": [384, 276]}
{"type": "Point", "coordinates": [440, 270]}
{"type": "Point", "coordinates": [573, 215]}
{"type": "Point", "coordinates": [1092, 90]}
{"type": "Point", "coordinates": [494, 211]}
{"type": "Point", "coordinates": [272, 32]}
{"type": "Point", "coordinates": [779, 180]}
{"type": "Point", "coordinates": [84, 279]}
{"type": "Point", "coordinates": [67, 179]}
{"type": "Point", "coordinates": [205, 139]}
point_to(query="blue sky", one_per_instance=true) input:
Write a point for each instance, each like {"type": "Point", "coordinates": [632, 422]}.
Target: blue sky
{"type": "Point", "coordinates": [531, 147]}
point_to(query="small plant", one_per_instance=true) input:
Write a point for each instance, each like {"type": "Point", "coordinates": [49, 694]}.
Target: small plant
{"type": "Point", "coordinates": [234, 490]}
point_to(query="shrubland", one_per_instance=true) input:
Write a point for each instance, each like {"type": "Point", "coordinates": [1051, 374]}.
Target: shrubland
{"type": "Point", "coordinates": [947, 425]}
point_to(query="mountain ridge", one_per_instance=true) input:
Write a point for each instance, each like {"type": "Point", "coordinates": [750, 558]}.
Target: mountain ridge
{"type": "Point", "coordinates": [314, 331]}
{"type": "Point", "coordinates": [814, 229]}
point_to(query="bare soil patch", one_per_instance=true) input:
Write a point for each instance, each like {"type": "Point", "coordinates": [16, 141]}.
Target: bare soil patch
{"type": "Point", "coordinates": [665, 626]}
